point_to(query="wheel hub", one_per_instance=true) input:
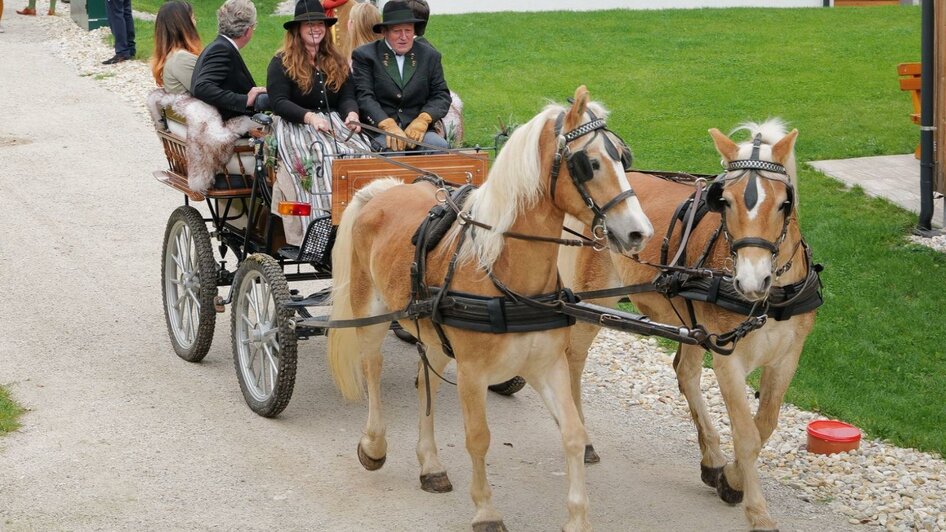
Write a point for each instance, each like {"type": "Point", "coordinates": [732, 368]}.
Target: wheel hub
{"type": "Point", "coordinates": [259, 333]}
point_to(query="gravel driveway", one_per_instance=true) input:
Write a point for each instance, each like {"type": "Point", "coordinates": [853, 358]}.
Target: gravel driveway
{"type": "Point", "coordinates": [120, 434]}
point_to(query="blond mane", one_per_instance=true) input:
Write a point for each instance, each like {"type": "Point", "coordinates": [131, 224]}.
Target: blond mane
{"type": "Point", "coordinates": [512, 186]}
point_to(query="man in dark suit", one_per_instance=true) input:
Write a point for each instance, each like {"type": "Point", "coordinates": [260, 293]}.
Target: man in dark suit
{"type": "Point", "coordinates": [220, 75]}
{"type": "Point", "coordinates": [400, 86]}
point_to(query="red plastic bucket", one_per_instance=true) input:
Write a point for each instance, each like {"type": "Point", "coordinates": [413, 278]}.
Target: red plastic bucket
{"type": "Point", "coordinates": [827, 436]}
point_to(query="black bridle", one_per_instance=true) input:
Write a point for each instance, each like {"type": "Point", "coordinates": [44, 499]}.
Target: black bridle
{"type": "Point", "coordinates": [752, 168]}
{"type": "Point", "coordinates": [581, 168]}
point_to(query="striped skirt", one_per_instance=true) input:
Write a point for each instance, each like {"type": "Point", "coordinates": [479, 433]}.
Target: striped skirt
{"type": "Point", "coordinates": [305, 169]}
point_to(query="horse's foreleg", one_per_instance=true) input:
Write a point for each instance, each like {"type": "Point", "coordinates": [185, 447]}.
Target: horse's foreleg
{"type": "Point", "coordinates": [688, 363]}
{"type": "Point", "coordinates": [742, 476]}
{"type": "Point", "coordinates": [553, 387]}
{"type": "Point", "coordinates": [472, 386]}
{"type": "Point", "coordinates": [433, 475]}
{"type": "Point", "coordinates": [772, 387]}
{"type": "Point", "coordinates": [373, 446]}
{"type": "Point", "coordinates": [582, 336]}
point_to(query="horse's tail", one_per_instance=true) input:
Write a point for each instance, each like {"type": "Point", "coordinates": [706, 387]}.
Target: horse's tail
{"type": "Point", "coordinates": [344, 349]}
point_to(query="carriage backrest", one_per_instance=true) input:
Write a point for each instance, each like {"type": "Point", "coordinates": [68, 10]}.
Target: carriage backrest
{"type": "Point", "coordinates": [350, 175]}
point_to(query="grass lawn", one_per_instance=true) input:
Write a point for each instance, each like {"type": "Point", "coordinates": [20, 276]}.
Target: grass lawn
{"type": "Point", "coordinates": [876, 357]}
{"type": "Point", "coordinates": [8, 413]}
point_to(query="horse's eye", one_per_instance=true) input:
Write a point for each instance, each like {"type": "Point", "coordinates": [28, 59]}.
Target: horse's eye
{"type": "Point", "coordinates": [595, 165]}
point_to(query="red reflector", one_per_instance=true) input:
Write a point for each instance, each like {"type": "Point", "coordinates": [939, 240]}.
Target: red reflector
{"type": "Point", "coordinates": [291, 208]}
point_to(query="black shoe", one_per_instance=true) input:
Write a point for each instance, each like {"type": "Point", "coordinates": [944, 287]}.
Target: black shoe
{"type": "Point", "coordinates": [115, 59]}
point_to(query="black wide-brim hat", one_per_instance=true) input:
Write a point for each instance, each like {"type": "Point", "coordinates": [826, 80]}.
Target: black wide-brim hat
{"type": "Point", "coordinates": [396, 12]}
{"type": "Point", "coordinates": [310, 11]}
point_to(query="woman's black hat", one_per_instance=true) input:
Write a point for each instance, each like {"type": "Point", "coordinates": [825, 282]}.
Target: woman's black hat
{"type": "Point", "coordinates": [396, 12]}
{"type": "Point", "coordinates": [310, 11]}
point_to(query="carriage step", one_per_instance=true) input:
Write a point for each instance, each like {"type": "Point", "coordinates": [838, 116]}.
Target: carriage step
{"type": "Point", "coordinates": [289, 252]}
{"type": "Point", "coordinates": [318, 299]}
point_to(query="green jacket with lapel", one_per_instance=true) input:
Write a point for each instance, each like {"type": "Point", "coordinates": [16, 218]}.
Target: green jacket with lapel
{"type": "Point", "coordinates": [383, 93]}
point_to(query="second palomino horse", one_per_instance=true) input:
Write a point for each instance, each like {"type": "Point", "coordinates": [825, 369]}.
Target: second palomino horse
{"type": "Point", "coordinates": [750, 232]}
{"type": "Point", "coordinates": [562, 161]}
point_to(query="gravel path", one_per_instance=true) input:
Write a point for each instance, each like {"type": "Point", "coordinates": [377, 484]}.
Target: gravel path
{"type": "Point", "coordinates": [629, 380]}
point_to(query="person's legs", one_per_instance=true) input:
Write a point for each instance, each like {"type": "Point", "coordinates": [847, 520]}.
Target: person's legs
{"type": "Point", "coordinates": [115, 10]}
{"type": "Point", "coordinates": [1, 15]}
{"type": "Point", "coordinates": [52, 7]}
{"type": "Point", "coordinates": [30, 8]}
{"type": "Point", "coordinates": [432, 138]}
{"type": "Point", "coordinates": [129, 28]}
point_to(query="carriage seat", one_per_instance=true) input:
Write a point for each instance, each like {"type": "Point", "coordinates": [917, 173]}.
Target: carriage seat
{"type": "Point", "coordinates": [206, 156]}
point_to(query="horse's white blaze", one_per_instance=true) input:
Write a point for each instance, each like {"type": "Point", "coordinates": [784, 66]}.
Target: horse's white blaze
{"type": "Point", "coordinates": [637, 221]}
{"type": "Point", "coordinates": [751, 273]}
{"type": "Point", "coordinates": [758, 204]}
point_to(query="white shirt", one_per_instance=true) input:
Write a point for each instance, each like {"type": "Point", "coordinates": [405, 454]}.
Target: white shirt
{"type": "Point", "coordinates": [399, 58]}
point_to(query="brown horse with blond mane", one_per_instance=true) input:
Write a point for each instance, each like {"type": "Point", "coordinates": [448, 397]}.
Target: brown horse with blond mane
{"type": "Point", "coordinates": [372, 275]}
{"type": "Point", "coordinates": [751, 237]}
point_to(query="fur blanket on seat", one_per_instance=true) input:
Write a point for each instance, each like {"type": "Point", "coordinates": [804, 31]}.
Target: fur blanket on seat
{"type": "Point", "coordinates": [209, 139]}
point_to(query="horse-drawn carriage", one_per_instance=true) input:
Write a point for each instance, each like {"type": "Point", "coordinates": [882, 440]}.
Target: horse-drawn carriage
{"type": "Point", "coordinates": [267, 315]}
{"type": "Point", "coordinates": [507, 312]}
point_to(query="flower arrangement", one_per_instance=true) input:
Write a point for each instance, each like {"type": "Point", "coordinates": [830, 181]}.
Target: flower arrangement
{"type": "Point", "coordinates": [305, 169]}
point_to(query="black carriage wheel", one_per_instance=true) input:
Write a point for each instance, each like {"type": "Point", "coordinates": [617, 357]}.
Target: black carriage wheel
{"type": "Point", "coordinates": [188, 284]}
{"type": "Point", "coordinates": [263, 335]}
{"type": "Point", "coordinates": [509, 387]}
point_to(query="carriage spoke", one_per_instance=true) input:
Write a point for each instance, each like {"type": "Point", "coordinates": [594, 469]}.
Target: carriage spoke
{"type": "Point", "coordinates": [178, 260]}
{"type": "Point", "coordinates": [273, 368]}
{"type": "Point", "coordinates": [184, 248]}
{"type": "Point", "coordinates": [261, 367]}
{"type": "Point", "coordinates": [194, 315]}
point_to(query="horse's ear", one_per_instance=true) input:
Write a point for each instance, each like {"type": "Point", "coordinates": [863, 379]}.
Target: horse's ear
{"type": "Point", "coordinates": [573, 118]}
{"type": "Point", "coordinates": [783, 148]}
{"type": "Point", "coordinates": [724, 145]}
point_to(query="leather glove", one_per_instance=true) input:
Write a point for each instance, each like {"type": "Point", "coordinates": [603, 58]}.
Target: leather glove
{"type": "Point", "coordinates": [390, 126]}
{"type": "Point", "coordinates": [418, 127]}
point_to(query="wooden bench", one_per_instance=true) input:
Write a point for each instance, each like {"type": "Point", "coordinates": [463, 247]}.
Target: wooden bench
{"type": "Point", "coordinates": [350, 175]}
{"type": "Point", "coordinates": [910, 81]}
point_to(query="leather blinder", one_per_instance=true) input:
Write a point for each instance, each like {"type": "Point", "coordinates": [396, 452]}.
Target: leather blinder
{"type": "Point", "coordinates": [789, 204]}
{"type": "Point", "coordinates": [714, 197]}
{"type": "Point", "coordinates": [579, 166]}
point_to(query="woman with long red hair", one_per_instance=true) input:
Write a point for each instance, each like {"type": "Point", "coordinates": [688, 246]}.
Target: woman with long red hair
{"type": "Point", "coordinates": [176, 47]}
{"type": "Point", "coordinates": [312, 95]}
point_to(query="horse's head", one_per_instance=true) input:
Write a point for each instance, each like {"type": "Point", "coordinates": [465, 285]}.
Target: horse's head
{"type": "Point", "coordinates": [756, 199]}
{"type": "Point", "coordinates": [587, 177]}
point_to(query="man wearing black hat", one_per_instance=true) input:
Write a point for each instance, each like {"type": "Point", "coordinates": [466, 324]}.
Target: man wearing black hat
{"type": "Point", "coordinates": [400, 87]}
{"type": "Point", "coordinates": [220, 75]}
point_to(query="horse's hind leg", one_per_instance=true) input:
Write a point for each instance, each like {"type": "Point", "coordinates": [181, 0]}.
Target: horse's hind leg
{"type": "Point", "coordinates": [553, 387]}
{"type": "Point", "coordinates": [472, 386]}
{"type": "Point", "coordinates": [582, 335]}
{"type": "Point", "coordinates": [742, 475]}
{"type": "Point", "coordinates": [373, 446]}
{"type": "Point", "coordinates": [433, 475]}
{"type": "Point", "coordinates": [688, 363]}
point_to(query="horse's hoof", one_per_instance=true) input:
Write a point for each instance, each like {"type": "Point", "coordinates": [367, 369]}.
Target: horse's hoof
{"type": "Point", "coordinates": [489, 526]}
{"type": "Point", "coordinates": [369, 463]}
{"type": "Point", "coordinates": [709, 474]}
{"type": "Point", "coordinates": [728, 494]}
{"type": "Point", "coordinates": [436, 483]}
{"type": "Point", "coordinates": [591, 457]}
{"type": "Point", "coordinates": [764, 530]}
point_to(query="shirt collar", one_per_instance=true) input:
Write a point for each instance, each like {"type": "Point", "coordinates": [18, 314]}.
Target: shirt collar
{"type": "Point", "coordinates": [386, 43]}
{"type": "Point", "coordinates": [234, 42]}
